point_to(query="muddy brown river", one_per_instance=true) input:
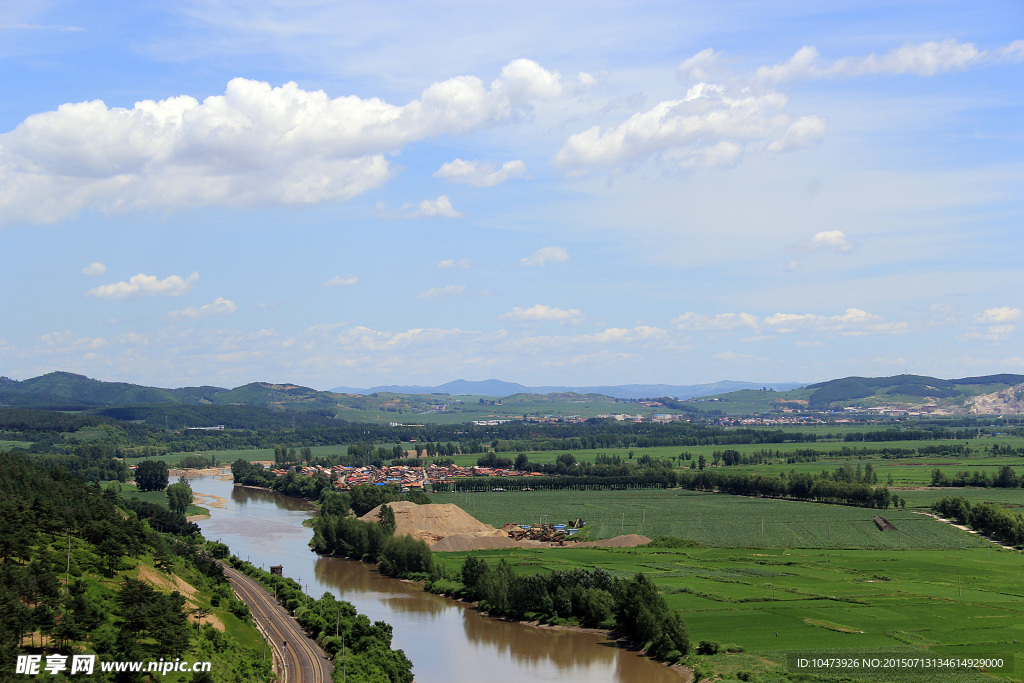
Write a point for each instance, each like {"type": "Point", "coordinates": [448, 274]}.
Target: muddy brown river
{"type": "Point", "coordinates": [446, 641]}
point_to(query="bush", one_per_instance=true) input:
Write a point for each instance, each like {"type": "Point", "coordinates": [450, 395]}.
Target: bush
{"type": "Point", "coordinates": [240, 610]}
{"type": "Point", "coordinates": [708, 647]}
{"type": "Point", "coordinates": [443, 587]}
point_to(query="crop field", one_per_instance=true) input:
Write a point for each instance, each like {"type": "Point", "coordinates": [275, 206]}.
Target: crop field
{"type": "Point", "coordinates": [714, 519]}
{"type": "Point", "coordinates": [913, 471]}
{"type": "Point", "coordinates": [426, 408]}
{"type": "Point", "coordinates": [1008, 498]}
{"type": "Point", "coordinates": [771, 602]}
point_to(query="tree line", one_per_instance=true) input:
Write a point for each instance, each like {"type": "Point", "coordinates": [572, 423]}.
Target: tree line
{"type": "Point", "coordinates": [1005, 478]}
{"type": "Point", "coordinates": [842, 486]}
{"type": "Point", "coordinates": [1001, 524]}
{"type": "Point", "coordinates": [632, 608]}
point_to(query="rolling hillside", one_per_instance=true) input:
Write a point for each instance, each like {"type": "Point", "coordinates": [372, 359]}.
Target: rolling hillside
{"type": "Point", "coordinates": [992, 394]}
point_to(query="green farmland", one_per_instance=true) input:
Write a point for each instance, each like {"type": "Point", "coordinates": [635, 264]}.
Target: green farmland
{"type": "Point", "coordinates": [775, 602]}
{"type": "Point", "coordinates": [714, 519]}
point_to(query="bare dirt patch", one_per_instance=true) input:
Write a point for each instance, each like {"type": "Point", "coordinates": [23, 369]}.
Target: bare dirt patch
{"type": "Point", "coordinates": [220, 470]}
{"type": "Point", "coordinates": [209, 500]}
{"type": "Point", "coordinates": [173, 582]}
{"type": "Point", "coordinates": [431, 523]}
{"type": "Point", "coordinates": [627, 541]}
{"type": "Point", "coordinates": [446, 527]}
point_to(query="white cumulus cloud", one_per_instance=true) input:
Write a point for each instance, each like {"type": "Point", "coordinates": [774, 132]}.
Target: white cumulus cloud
{"type": "Point", "coordinates": [141, 285]}
{"type": "Point", "coordinates": [220, 307]}
{"type": "Point", "coordinates": [255, 144]}
{"type": "Point", "coordinates": [830, 239]}
{"type": "Point", "coordinates": [341, 281]}
{"type": "Point", "coordinates": [94, 268]}
{"type": "Point", "coordinates": [461, 264]}
{"type": "Point", "coordinates": [541, 313]}
{"type": "Point", "coordinates": [806, 131]}
{"type": "Point", "coordinates": [697, 67]}
{"type": "Point", "coordinates": [692, 129]}
{"type": "Point", "coordinates": [480, 174]}
{"type": "Point", "coordinates": [428, 208]}
{"type": "Point", "coordinates": [1003, 314]}
{"type": "Point", "coordinates": [544, 255]}
{"type": "Point", "coordinates": [853, 321]}
{"type": "Point", "coordinates": [921, 59]}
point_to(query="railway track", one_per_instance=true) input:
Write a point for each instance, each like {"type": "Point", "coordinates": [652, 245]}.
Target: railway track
{"type": "Point", "coordinates": [301, 659]}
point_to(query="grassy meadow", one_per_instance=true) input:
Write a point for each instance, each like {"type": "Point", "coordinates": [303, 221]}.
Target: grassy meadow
{"type": "Point", "coordinates": [714, 519]}
{"type": "Point", "coordinates": [821, 602]}
{"type": "Point", "coordinates": [158, 497]}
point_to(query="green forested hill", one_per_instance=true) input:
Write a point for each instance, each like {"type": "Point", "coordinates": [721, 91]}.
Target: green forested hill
{"type": "Point", "coordinates": [81, 572]}
{"type": "Point", "coordinates": [907, 388]}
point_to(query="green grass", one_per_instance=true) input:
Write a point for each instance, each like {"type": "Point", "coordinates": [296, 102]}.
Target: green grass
{"type": "Point", "coordinates": [1011, 498]}
{"type": "Point", "coordinates": [913, 471]}
{"type": "Point", "coordinates": [714, 519]}
{"type": "Point", "coordinates": [912, 602]}
{"type": "Point", "coordinates": [8, 445]}
{"type": "Point", "coordinates": [158, 497]}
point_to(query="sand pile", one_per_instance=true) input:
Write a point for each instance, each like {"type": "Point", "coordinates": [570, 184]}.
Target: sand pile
{"type": "Point", "coordinates": [433, 522]}
{"type": "Point", "coordinates": [463, 542]}
{"type": "Point", "coordinates": [627, 541]}
{"type": "Point", "coordinates": [448, 528]}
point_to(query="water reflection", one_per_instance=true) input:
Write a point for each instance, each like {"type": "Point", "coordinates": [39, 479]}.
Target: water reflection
{"type": "Point", "coordinates": [348, 576]}
{"type": "Point", "coordinates": [446, 641]}
{"type": "Point", "coordinates": [241, 495]}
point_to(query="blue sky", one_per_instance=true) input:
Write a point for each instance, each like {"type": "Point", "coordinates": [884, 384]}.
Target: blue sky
{"type": "Point", "coordinates": [549, 193]}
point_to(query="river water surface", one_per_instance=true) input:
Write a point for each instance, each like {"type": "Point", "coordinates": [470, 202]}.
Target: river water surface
{"type": "Point", "coordinates": [446, 641]}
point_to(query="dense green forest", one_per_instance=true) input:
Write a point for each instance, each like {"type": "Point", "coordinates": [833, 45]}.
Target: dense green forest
{"type": "Point", "coordinates": [68, 551]}
{"type": "Point", "coordinates": [76, 577]}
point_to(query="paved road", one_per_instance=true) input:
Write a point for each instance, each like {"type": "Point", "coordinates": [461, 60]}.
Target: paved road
{"type": "Point", "coordinates": [304, 660]}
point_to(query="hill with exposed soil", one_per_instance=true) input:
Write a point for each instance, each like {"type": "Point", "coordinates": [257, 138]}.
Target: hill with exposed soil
{"type": "Point", "coordinates": [446, 527]}
{"type": "Point", "coordinates": [1006, 402]}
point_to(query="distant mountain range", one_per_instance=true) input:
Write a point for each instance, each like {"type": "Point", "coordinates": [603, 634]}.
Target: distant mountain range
{"type": "Point", "coordinates": [500, 389]}
{"type": "Point", "coordinates": [68, 391]}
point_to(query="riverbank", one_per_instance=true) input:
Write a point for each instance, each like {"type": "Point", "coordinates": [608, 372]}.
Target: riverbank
{"type": "Point", "coordinates": [445, 639]}
{"type": "Point", "coordinates": [686, 673]}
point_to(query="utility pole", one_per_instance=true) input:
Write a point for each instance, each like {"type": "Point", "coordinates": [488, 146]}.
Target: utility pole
{"type": "Point", "coordinates": [67, 572]}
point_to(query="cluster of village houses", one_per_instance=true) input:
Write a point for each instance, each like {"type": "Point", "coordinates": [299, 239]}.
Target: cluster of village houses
{"type": "Point", "coordinates": [404, 476]}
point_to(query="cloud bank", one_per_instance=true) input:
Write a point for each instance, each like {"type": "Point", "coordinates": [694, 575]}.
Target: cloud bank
{"type": "Point", "coordinates": [253, 145]}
